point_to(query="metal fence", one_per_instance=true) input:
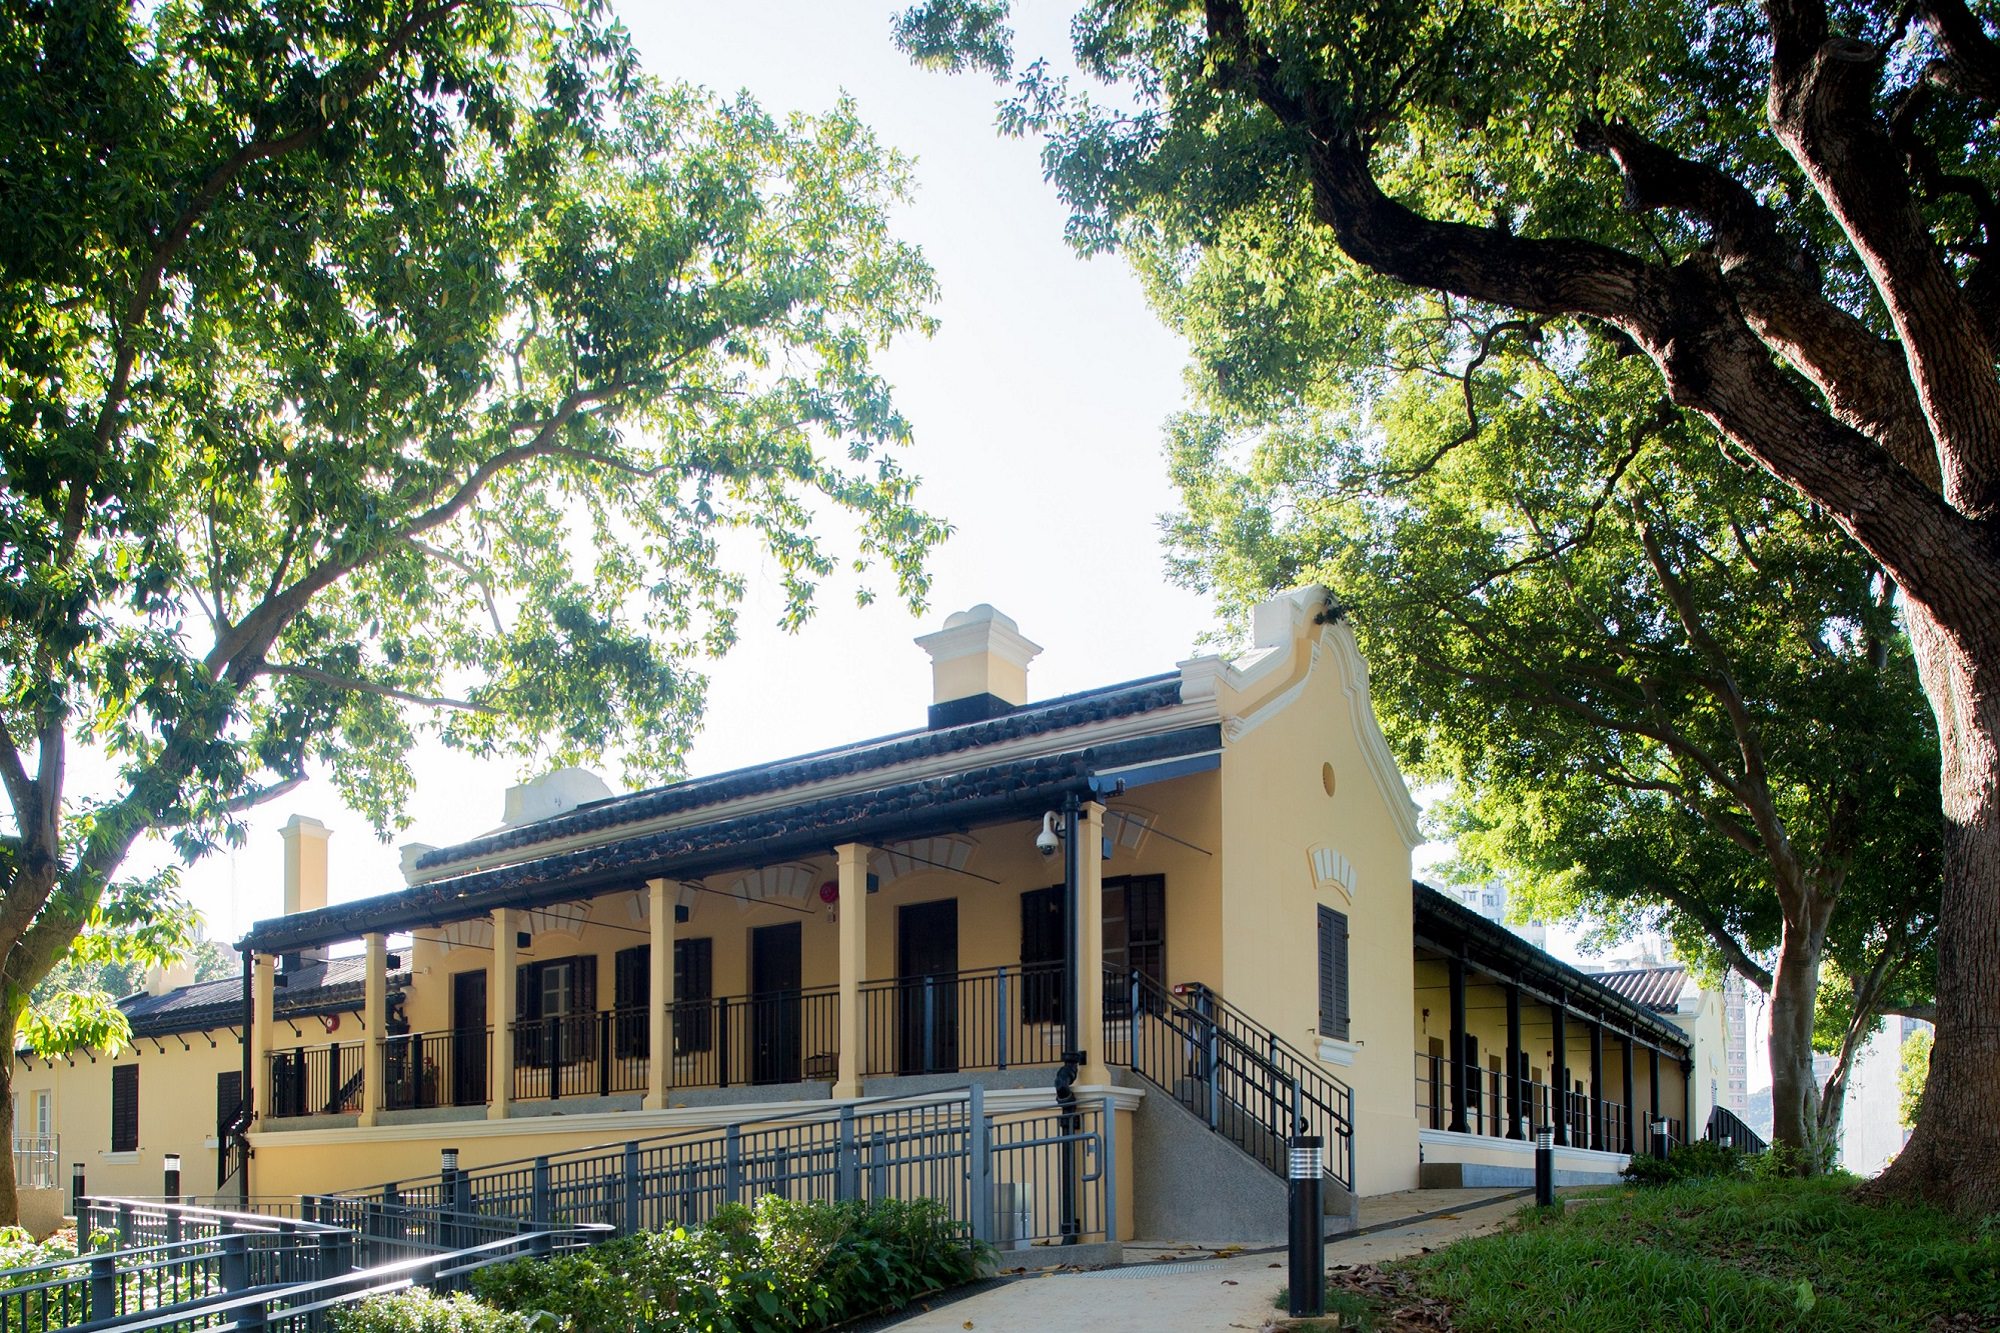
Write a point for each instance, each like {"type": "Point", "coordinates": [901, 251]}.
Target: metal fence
{"type": "Point", "coordinates": [316, 1080]}
{"type": "Point", "coordinates": [1012, 1177]}
{"type": "Point", "coordinates": [1486, 1109]}
{"type": "Point", "coordinates": [983, 1018]}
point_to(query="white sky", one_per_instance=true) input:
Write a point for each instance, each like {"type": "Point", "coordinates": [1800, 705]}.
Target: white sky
{"type": "Point", "coordinates": [1038, 410]}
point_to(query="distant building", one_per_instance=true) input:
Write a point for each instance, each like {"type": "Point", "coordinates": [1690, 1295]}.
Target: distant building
{"type": "Point", "coordinates": [1490, 901]}
{"type": "Point", "coordinates": [1871, 1128]}
{"type": "Point", "coordinates": [1736, 1062]}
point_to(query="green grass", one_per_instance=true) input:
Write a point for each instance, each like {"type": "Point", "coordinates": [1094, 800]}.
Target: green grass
{"type": "Point", "coordinates": [1720, 1254]}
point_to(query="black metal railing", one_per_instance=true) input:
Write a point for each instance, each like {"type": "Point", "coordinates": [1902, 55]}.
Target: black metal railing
{"type": "Point", "coordinates": [1725, 1126]}
{"type": "Point", "coordinates": [316, 1080]}
{"type": "Point", "coordinates": [1249, 1084]}
{"type": "Point", "coordinates": [423, 1070]}
{"type": "Point", "coordinates": [732, 1041]}
{"type": "Point", "coordinates": [1487, 1110]}
{"type": "Point", "coordinates": [581, 1055]}
{"type": "Point", "coordinates": [981, 1018]}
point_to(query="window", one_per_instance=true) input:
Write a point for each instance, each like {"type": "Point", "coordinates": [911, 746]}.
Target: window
{"type": "Point", "coordinates": [1333, 1008]}
{"type": "Point", "coordinates": [125, 1108]}
{"type": "Point", "coordinates": [1135, 939]}
{"type": "Point", "coordinates": [44, 1117]}
{"type": "Point", "coordinates": [632, 988]}
{"type": "Point", "coordinates": [554, 1006]}
{"type": "Point", "coordinates": [694, 986]}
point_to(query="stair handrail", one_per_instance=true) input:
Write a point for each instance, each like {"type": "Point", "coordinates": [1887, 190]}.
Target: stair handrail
{"type": "Point", "coordinates": [1289, 1070]}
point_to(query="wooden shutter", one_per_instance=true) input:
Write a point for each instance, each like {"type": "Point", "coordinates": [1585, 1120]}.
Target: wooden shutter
{"type": "Point", "coordinates": [632, 987]}
{"type": "Point", "coordinates": [527, 1015]}
{"type": "Point", "coordinates": [1333, 996]}
{"type": "Point", "coordinates": [228, 1100]}
{"type": "Point", "coordinates": [125, 1108]}
{"type": "Point", "coordinates": [694, 984]}
{"type": "Point", "coordinates": [1044, 915]}
{"type": "Point", "coordinates": [583, 984]}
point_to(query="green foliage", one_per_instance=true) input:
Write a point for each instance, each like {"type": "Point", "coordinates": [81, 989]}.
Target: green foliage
{"type": "Point", "coordinates": [1722, 1253]}
{"type": "Point", "coordinates": [427, 1312]}
{"type": "Point", "coordinates": [381, 370]}
{"type": "Point", "coordinates": [1699, 1160]}
{"type": "Point", "coordinates": [782, 1266]}
{"type": "Point", "coordinates": [1912, 1075]}
{"type": "Point", "coordinates": [19, 1250]}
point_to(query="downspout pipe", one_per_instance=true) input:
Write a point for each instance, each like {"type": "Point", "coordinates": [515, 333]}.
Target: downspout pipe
{"type": "Point", "coordinates": [249, 1098]}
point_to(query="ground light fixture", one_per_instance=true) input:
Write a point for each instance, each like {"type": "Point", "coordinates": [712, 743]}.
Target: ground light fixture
{"type": "Point", "coordinates": [1545, 1166]}
{"type": "Point", "coordinates": [172, 1162]}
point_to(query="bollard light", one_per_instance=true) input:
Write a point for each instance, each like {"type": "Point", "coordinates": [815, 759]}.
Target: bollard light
{"type": "Point", "coordinates": [172, 1162]}
{"type": "Point", "coordinates": [1545, 1167]}
{"type": "Point", "coordinates": [1306, 1161]}
{"type": "Point", "coordinates": [448, 1160]}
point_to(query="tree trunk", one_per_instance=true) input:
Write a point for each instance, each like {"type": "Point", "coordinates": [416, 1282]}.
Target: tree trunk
{"type": "Point", "coordinates": [1951, 1158]}
{"type": "Point", "coordinates": [10, 1203]}
{"type": "Point", "coordinates": [1794, 991]}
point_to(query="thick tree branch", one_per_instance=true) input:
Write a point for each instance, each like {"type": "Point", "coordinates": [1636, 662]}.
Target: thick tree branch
{"type": "Point", "coordinates": [1865, 379]}
{"type": "Point", "coordinates": [1822, 107]}
{"type": "Point", "coordinates": [1972, 58]}
{"type": "Point", "coordinates": [1712, 925]}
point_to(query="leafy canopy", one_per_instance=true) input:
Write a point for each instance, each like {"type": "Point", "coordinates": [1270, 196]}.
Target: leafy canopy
{"type": "Point", "coordinates": [402, 366]}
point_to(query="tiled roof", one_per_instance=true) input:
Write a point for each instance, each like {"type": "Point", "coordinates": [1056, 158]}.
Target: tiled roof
{"type": "Point", "coordinates": [317, 988]}
{"type": "Point", "coordinates": [1655, 988]}
{"type": "Point", "coordinates": [992, 794]}
{"type": "Point", "coordinates": [1050, 715]}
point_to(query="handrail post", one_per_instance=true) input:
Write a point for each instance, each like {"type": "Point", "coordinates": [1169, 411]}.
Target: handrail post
{"type": "Point", "coordinates": [1000, 1015]}
{"type": "Point", "coordinates": [930, 1025]}
{"type": "Point", "coordinates": [847, 1179]}
{"type": "Point", "coordinates": [102, 1301]}
{"type": "Point", "coordinates": [979, 1145]}
{"type": "Point", "coordinates": [1132, 1021]}
{"type": "Point", "coordinates": [540, 1203]}
{"type": "Point", "coordinates": [632, 1188]}
{"type": "Point", "coordinates": [732, 1164]}
{"type": "Point", "coordinates": [235, 1260]}
{"type": "Point", "coordinates": [1110, 1178]}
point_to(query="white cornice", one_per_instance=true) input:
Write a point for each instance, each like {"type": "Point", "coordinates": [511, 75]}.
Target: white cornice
{"type": "Point", "coordinates": [620, 1126]}
{"type": "Point", "coordinates": [1153, 722]}
{"type": "Point", "coordinates": [1570, 1156]}
{"type": "Point", "coordinates": [1368, 732]}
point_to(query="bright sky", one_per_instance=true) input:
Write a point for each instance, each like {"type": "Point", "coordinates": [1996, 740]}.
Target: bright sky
{"type": "Point", "coordinates": [1038, 410]}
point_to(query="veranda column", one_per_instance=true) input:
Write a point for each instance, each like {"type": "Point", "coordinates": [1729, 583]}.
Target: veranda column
{"type": "Point", "coordinates": [1625, 1049]}
{"type": "Point", "coordinates": [1597, 1085]}
{"type": "Point", "coordinates": [500, 984]}
{"type": "Point", "coordinates": [375, 1022]}
{"type": "Point", "coordinates": [1090, 943]}
{"type": "Point", "coordinates": [1653, 1087]}
{"type": "Point", "coordinates": [1455, 974]}
{"type": "Point", "coordinates": [1517, 1092]}
{"type": "Point", "coordinates": [263, 996]}
{"type": "Point", "coordinates": [1559, 1072]}
{"type": "Point", "coordinates": [662, 909]}
{"type": "Point", "coordinates": [853, 908]}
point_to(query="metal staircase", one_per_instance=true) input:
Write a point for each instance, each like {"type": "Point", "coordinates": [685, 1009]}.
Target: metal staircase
{"type": "Point", "coordinates": [1244, 1081]}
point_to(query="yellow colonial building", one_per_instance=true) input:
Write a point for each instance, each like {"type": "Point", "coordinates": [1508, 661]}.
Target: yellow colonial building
{"type": "Point", "coordinates": [1187, 897]}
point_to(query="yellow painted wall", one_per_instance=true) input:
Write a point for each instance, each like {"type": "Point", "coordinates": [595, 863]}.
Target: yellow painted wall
{"type": "Point", "coordinates": [177, 1106]}
{"type": "Point", "coordinates": [1275, 810]}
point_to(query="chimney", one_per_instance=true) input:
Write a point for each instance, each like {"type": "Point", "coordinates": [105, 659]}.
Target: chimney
{"type": "Point", "coordinates": [305, 870]}
{"type": "Point", "coordinates": [979, 666]}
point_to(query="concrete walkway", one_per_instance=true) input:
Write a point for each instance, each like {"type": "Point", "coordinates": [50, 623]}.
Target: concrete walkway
{"type": "Point", "coordinates": [1182, 1288]}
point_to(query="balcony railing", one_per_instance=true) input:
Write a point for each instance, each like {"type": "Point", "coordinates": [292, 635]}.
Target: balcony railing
{"type": "Point", "coordinates": [750, 1040]}
{"type": "Point", "coordinates": [422, 1070]}
{"type": "Point", "coordinates": [580, 1055]}
{"type": "Point", "coordinates": [1486, 1109]}
{"type": "Point", "coordinates": [984, 1018]}
{"type": "Point", "coordinates": [315, 1080]}
{"type": "Point", "coordinates": [35, 1161]}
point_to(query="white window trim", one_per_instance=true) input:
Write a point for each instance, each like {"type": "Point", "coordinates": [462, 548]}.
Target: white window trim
{"type": "Point", "coordinates": [119, 1158]}
{"type": "Point", "coordinates": [1333, 1051]}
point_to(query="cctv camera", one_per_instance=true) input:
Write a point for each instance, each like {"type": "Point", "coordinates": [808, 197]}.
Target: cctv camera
{"type": "Point", "coordinates": [1048, 839]}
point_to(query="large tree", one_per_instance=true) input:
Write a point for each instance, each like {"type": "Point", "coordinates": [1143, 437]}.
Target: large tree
{"type": "Point", "coordinates": [395, 367]}
{"type": "Point", "coordinates": [1666, 694]}
{"type": "Point", "coordinates": [1788, 208]}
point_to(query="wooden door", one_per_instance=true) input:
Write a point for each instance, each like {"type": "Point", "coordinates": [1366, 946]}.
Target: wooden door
{"type": "Point", "coordinates": [927, 986]}
{"type": "Point", "coordinates": [775, 969]}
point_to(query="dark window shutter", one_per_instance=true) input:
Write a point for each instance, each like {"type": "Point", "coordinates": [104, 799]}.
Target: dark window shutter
{"type": "Point", "coordinates": [583, 984]}
{"type": "Point", "coordinates": [527, 1014]}
{"type": "Point", "coordinates": [633, 985]}
{"type": "Point", "coordinates": [228, 1099]}
{"type": "Point", "coordinates": [1333, 996]}
{"type": "Point", "coordinates": [125, 1108]}
{"type": "Point", "coordinates": [1044, 915]}
{"type": "Point", "coordinates": [694, 985]}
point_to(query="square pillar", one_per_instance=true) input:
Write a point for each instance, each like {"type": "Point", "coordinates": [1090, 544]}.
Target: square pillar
{"type": "Point", "coordinates": [661, 908]}
{"type": "Point", "coordinates": [1631, 1101]}
{"type": "Point", "coordinates": [375, 1021]}
{"type": "Point", "coordinates": [1517, 1079]}
{"type": "Point", "coordinates": [1461, 1069]}
{"type": "Point", "coordinates": [500, 985]}
{"type": "Point", "coordinates": [263, 1014]}
{"type": "Point", "coordinates": [1559, 1073]}
{"type": "Point", "coordinates": [853, 908]}
{"type": "Point", "coordinates": [1089, 927]}
{"type": "Point", "coordinates": [1597, 1086]}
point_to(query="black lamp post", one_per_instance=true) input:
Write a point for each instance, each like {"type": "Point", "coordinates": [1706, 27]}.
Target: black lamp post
{"type": "Point", "coordinates": [1308, 1228]}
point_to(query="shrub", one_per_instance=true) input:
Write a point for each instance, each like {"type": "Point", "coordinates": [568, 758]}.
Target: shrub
{"type": "Point", "coordinates": [426, 1312]}
{"type": "Point", "coordinates": [1700, 1160]}
{"type": "Point", "coordinates": [781, 1268]}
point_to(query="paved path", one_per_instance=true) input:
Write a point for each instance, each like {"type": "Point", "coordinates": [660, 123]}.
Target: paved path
{"type": "Point", "coordinates": [1169, 1288]}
